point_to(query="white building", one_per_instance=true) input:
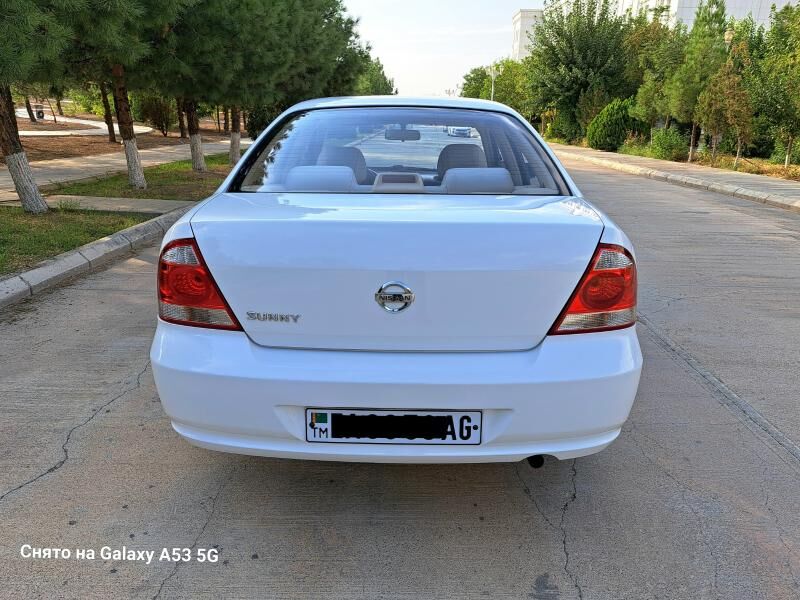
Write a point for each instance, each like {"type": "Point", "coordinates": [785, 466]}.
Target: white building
{"type": "Point", "coordinates": [684, 10]}
{"type": "Point", "coordinates": [522, 23]}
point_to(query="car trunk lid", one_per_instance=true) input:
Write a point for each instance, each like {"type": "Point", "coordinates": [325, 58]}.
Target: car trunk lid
{"type": "Point", "coordinates": [487, 273]}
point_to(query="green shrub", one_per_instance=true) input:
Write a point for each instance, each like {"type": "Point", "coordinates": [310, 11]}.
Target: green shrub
{"type": "Point", "coordinates": [154, 109]}
{"type": "Point", "coordinates": [258, 117]}
{"type": "Point", "coordinates": [762, 144]}
{"type": "Point", "coordinates": [779, 153]}
{"type": "Point", "coordinates": [669, 144]}
{"type": "Point", "coordinates": [637, 145]}
{"type": "Point", "coordinates": [564, 127]}
{"type": "Point", "coordinates": [727, 143]}
{"type": "Point", "coordinates": [612, 125]}
{"type": "Point", "coordinates": [88, 99]}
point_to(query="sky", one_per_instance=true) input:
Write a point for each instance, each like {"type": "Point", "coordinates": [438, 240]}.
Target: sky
{"type": "Point", "coordinates": [428, 45]}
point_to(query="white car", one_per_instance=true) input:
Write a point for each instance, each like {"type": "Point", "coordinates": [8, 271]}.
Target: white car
{"type": "Point", "coordinates": [459, 131]}
{"type": "Point", "coordinates": [362, 288]}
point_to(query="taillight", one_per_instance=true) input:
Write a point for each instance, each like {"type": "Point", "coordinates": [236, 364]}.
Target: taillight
{"type": "Point", "coordinates": [187, 294]}
{"type": "Point", "coordinates": [605, 297]}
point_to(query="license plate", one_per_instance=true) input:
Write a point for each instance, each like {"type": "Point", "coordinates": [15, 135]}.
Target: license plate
{"type": "Point", "coordinates": [351, 426]}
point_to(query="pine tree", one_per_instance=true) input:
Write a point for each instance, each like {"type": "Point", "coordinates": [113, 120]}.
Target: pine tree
{"type": "Point", "coordinates": [113, 40]}
{"type": "Point", "coordinates": [112, 137]}
{"type": "Point", "coordinates": [657, 53]}
{"type": "Point", "coordinates": [705, 53]}
{"type": "Point", "coordinates": [710, 109]}
{"type": "Point", "coordinates": [32, 34]}
{"type": "Point", "coordinates": [373, 81]}
{"type": "Point", "coordinates": [739, 111]}
{"type": "Point", "coordinates": [775, 83]}
{"type": "Point", "coordinates": [290, 51]}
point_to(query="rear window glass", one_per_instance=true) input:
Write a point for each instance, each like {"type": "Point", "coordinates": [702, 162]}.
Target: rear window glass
{"type": "Point", "coordinates": [401, 150]}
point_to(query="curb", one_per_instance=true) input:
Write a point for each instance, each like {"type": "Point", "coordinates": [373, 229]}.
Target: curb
{"type": "Point", "coordinates": [87, 258]}
{"type": "Point", "coordinates": [770, 199]}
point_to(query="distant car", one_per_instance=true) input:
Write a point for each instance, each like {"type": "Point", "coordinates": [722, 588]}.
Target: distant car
{"type": "Point", "coordinates": [459, 131]}
{"type": "Point", "coordinates": [352, 296]}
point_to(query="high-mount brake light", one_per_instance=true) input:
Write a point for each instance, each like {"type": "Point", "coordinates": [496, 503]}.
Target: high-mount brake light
{"type": "Point", "coordinates": [187, 293]}
{"type": "Point", "coordinates": [605, 298]}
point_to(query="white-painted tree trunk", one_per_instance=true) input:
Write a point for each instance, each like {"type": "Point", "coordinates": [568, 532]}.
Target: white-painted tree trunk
{"type": "Point", "coordinates": [27, 191]}
{"type": "Point", "coordinates": [235, 151]}
{"type": "Point", "coordinates": [738, 153]}
{"type": "Point", "coordinates": [135, 171]}
{"type": "Point", "coordinates": [196, 146]}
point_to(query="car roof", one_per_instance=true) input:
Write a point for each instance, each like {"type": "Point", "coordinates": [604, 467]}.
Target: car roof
{"type": "Point", "coordinates": [399, 101]}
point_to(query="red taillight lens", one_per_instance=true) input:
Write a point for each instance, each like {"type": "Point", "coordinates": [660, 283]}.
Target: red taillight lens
{"type": "Point", "coordinates": [187, 294]}
{"type": "Point", "coordinates": [605, 297]}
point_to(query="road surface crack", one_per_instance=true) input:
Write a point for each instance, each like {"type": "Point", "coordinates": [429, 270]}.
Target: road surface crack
{"type": "Point", "coordinates": [529, 493]}
{"type": "Point", "coordinates": [209, 516]}
{"type": "Point", "coordinates": [573, 577]}
{"type": "Point", "coordinates": [65, 446]}
{"type": "Point", "coordinates": [683, 488]}
{"type": "Point", "coordinates": [560, 526]}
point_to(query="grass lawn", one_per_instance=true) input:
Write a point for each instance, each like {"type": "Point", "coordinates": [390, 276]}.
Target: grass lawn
{"type": "Point", "coordinates": [170, 181]}
{"type": "Point", "coordinates": [756, 166]}
{"type": "Point", "coordinates": [27, 239]}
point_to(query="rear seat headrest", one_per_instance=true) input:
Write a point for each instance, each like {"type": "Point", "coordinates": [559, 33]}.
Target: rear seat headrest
{"type": "Point", "coordinates": [489, 180]}
{"type": "Point", "coordinates": [316, 178]}
{"type": "Point", "coordinates": [460, 156]}
{"type": "Point", "coordinates": [345, 156]}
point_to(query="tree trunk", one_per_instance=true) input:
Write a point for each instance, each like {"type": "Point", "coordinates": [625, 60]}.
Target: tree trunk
{"type": "Point", "coordinates": [738, 153]}
{"type": "Point", "coordinates": [225, 125]}
{"type": "Point", "coordinates": [28, 107]}
{"type": "Point", "coordinates": [788, 159]}
{"type": "Point", "coordinates": [666, 122]}
{"type": "Point", "coordinates": [125, 123]}
{"type": "Point", "coordinates": [691, 141]}
{"type": "Point", "coordinates": [244, 119]}
{"type": "Point", "coordinates": [16, 159]}
{"type": "Point", "coordinates": [181, 117]}
{"type": "Point", "coordinates": [52, 111]}
{"type": "Point", "coordinates": [236, 136]}
{"type": "Point", "coordinates": [58, 107]}
{"type": "Point", "coordinates": [195, 141]}
{"type": "Point", "coordinates": [216, 115]}
{"type": "Point", "coordinates": [107, 113]}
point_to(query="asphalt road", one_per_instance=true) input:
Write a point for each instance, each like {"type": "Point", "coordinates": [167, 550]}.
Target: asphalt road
{"type": "Point", "coordinates": [698, 499]}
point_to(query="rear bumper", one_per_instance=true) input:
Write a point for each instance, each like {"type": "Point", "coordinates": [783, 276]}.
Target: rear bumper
{"type": "Point", "coordinates": [568, 397]}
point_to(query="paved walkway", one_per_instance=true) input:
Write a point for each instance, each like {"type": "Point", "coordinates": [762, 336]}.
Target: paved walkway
{"type": "Point", "coordinates": [95, 127]}
{"type": "Point", "coordinates": [783, 193]}
{"type": "Point", "coordinates": [82, 167]}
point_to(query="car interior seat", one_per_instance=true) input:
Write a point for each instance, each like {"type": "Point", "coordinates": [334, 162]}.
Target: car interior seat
{"type": "Point", "coordinates": [460, 156]}
{"type": "Point", "coordinates": [345, 156]}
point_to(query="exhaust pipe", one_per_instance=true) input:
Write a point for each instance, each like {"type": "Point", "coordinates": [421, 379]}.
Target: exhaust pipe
{"type": "Point", "coordinates": [536, 461]}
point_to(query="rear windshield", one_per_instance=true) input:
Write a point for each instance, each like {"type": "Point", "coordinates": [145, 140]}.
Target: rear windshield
{"type": "Point", "coordinates": [401, 150]}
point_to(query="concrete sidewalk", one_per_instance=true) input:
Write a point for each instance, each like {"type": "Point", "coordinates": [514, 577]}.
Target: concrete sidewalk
{"type": "Point", "coordinates": [150, 206]}
{"type": "Point", "coordinates": [782, 193]}
{"type": "Point", "coordinates": [94, 127]}
{"type": "Point", "coordinates": [82, 167]}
